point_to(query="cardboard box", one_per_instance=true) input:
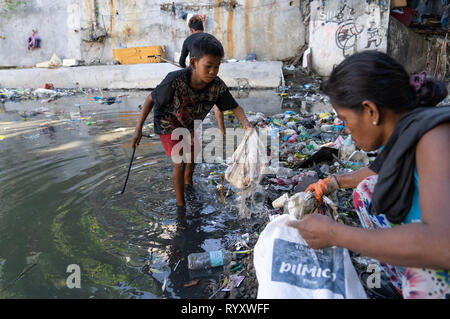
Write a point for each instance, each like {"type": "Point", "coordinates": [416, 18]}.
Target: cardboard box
{"type": "Point", "coordinates": [398, 3]}
{"type": "Point", "coordinates": [139, 55]}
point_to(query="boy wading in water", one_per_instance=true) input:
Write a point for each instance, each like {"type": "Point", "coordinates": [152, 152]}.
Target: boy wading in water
{"type": "Point", "coordinates": [196, 28]}
{"type": "Point", "coordinates": [183, 97]}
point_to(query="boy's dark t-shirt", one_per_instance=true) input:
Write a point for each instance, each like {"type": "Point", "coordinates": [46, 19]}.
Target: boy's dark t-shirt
{"type": "Point", "coordinates": [187, 46]}
{"type": "Point", "coordinates": [176, 104]}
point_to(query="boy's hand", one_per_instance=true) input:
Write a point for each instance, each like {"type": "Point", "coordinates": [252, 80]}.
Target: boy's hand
{"type": "Point", "coordinates": [240, 115]}
{"type": "Point", "coordinates": [247, 125]}
{"type": "Point", "coordinates": [136, 137]}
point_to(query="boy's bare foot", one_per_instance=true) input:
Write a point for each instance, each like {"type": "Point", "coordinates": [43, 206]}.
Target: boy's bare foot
{"type": "Point", "coordinates": [181, 210]}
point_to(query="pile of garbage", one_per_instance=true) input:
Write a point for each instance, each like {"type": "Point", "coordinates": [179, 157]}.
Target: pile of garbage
{"type": "Point", "coordinates": [311, 147]}
{"type": "Point", "coordinates": [301, 90]}
{"type": "Point", "coordinates": [46, 93]}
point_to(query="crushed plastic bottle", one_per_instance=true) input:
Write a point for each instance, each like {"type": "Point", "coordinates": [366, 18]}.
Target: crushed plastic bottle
{"type": "Point", "coordinates": [209, 259]}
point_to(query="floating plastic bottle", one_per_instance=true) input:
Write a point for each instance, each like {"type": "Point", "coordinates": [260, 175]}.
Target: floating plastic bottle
{"type": "Point", "coordinates": [209, 259]}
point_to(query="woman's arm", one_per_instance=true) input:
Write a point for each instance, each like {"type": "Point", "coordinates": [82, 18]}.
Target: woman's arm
{"type": "Point", "coordinates": [352, 179]}
{"type": "Point", "coordinates": [330, 184]}
{"type": "Point", "coordinates": [425, 244]}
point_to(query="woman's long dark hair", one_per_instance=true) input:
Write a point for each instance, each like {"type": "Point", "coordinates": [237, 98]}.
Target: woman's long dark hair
{"type": "Point", "coordinates": [375, 76]}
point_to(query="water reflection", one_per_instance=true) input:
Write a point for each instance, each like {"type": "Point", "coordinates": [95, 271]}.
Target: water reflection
{"type": "Point", "coordinates": [59, 172]}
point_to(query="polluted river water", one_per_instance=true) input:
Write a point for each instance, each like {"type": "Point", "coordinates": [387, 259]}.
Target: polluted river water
{"type": "Point", "coordinates": [62, 167]}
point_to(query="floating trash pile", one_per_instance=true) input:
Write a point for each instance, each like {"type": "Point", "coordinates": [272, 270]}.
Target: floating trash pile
{"type": "Point", "coordinates": [43, 94]}
{"type": "Point", "coordinates": [311, 147]}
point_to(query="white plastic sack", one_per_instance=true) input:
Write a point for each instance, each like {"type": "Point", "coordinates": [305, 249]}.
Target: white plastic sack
{"type": "Point", "coordinates": [287, 268]}
{"type": "Point", "coordinates": [55, 61]}
{"type": "Point", "coordinates": [249, 162]}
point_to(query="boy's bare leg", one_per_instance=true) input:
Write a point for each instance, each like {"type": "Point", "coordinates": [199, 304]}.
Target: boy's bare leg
{"type": "Point", "coordinates": [178, 182]}
{"type": "Point", "coordinates": [189, 170]}
{"type": "Point", "coordinates": [188, 173]}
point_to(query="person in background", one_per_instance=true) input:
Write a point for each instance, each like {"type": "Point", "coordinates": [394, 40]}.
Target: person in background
{"type": "Point", "coordinates": [197, 31]}
{"type": "Point", "coordinates": [408, 184]}
{"type": "Point", "coordinates": [181, 98]}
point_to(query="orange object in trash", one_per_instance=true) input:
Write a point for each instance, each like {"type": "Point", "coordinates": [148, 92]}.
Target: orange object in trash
{"type": "Point", "coordinates": [48, 86]}
{"type": "Point", "coordinates": [138, 55]}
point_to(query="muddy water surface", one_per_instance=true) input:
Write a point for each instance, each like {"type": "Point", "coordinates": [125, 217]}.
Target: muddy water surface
{"type": "Point", "coordinates": [62, 165]}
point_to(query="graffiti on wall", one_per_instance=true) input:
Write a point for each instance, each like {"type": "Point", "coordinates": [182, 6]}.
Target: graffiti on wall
{"type": "Point", "coordinates": [347, 32]}
{"type": "Point", "coordinates": [374, 34]}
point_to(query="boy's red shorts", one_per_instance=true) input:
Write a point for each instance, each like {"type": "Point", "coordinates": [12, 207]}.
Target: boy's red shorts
{"type": "Point", "coordinates": [168, 143]}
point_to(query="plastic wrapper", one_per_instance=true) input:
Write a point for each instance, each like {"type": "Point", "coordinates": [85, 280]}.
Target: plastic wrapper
{"type": "Point", "coordinates": [247, 167]}
{"type": "Point", "coordinates": [301, 204]}
{"type": "Point", "coordinates": [248, 163]}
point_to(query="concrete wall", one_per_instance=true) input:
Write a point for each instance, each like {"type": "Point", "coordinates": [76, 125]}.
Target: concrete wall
{"type": "Point", "coordinates": [255, 75]}
{"type": "Point", "coordinates": [407, 47]}
{"type": "Point", "coordinates": [54, 21]}
{"type": "Point", "coordinates": [90, 29]}
{"type": "Point", "coordinates": [339, 28]}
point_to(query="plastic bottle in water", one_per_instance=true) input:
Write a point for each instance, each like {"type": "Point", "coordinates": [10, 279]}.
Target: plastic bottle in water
{"type": "Point", "coordinates": [209, 259]}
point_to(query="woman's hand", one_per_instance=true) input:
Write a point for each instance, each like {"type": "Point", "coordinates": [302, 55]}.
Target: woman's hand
{"type": "Point", "coordinates": [317, 230]}
{"type": "Point", "coordinates": [323, 187]}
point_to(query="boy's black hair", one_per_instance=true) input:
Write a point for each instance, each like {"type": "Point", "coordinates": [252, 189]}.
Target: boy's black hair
{"type": "Point", "coordinates": [196, 23]}
{"type": "Point", "coordinates": [375, 76]}
{"type": "Point", "coordinates": [206, 45]}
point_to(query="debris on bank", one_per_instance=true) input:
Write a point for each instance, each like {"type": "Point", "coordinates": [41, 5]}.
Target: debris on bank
{"type": "Point", "coordinates": [44, 93]}
{"type": "Point", "coordinates": [312, 146]}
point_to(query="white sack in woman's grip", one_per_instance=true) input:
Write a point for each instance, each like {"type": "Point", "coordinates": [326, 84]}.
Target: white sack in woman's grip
{"type": "Point", "coordinates": [287, 268]}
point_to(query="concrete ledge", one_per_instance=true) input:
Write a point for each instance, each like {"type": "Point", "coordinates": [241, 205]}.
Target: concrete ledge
{"type": "Point", "coordinates": [256, 75]}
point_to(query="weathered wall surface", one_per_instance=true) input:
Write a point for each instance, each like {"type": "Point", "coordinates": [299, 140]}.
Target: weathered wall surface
{"type": "Point", "coordinates": [407, 47]}
{"type": "Point", "coordinates": [339, 28]}
{"type": "Point", "coordinates": [54, 21]}
{"type": "Point", "coordinates": [252, 75]}
{"type": "Point", "coordinates": [91, 29]}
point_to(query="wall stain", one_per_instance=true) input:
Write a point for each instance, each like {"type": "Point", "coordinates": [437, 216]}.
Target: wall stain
{"type": "Point", "coordinates": [270, 24]}
{"type": "Point", "coordinates": [247, 12]}
{"type": "Point", "coordinates": [111, 23]}
{"type": "Point", "coordinates": [89, 7]}
{"type": "Point", "coordinates": [230, 21]}
{"type": "Point", "coordinates": [218, 21]}
{"type": "Point", "coordinates": [131, 28]}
